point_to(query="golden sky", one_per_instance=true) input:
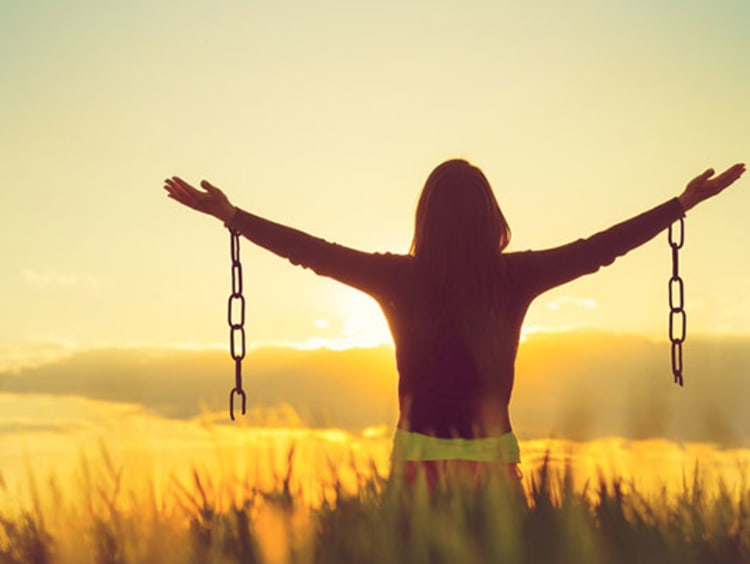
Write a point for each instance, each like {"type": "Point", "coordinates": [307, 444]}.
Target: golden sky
{"type": "Point", "coordinates": [329, 116]}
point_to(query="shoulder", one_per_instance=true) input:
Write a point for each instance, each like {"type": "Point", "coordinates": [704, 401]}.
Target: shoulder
{"type": "Point", "coordinates": [394, 262]}
{"type": "Point", "coordinates": [388, 262]}
{"type": "Point", "coordinates": [514, 259]}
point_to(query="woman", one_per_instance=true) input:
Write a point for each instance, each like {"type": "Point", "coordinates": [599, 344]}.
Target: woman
{"type": "Point", "coordinates": [454, 305]}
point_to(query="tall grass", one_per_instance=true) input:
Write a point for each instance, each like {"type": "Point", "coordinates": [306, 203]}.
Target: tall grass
{"type": "Point", "coordinates": [210, 517]}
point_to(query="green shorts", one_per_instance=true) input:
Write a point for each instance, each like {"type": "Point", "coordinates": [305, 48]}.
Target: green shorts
{"type": "Point", "coordinates": [409, 446]}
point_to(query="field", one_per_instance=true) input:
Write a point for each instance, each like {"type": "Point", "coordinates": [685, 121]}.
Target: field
{"type": "Point", "coordinates": [326, 498]}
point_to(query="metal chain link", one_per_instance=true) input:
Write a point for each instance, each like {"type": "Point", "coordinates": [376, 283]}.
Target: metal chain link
{"type": "Point", "coordinates": [236, 318]}
{"type": "Point", "coordinates": [677, 315]}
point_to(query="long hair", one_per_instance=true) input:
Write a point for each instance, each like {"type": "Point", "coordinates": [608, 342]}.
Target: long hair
{"type": "Point", "coordinates": [459, 232]}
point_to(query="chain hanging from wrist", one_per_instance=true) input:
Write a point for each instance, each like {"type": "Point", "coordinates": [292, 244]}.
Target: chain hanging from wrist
{"type": "Point", "coordinates": [236, 318]}
{"type": "Point", "coordinates": [677, 315]}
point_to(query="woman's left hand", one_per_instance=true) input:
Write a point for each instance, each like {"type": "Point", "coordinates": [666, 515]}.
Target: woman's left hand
{"type": "Point", "coordinates": [703, 187]}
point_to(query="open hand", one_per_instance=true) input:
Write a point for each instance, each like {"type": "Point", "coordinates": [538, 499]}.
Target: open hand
{"type": "Point", "coordinates": [704, 186]}
{"type": "Point", "coordinates": [210, 200]}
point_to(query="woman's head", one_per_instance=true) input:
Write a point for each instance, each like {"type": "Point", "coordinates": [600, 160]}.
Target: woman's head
{"type": "Point", "coordinates": [457, 214]}
{"type": "Point", "coordinates": [459, 233]}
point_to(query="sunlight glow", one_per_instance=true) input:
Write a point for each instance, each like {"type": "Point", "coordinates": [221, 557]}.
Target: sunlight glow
{"type": "Point", "coordinates": [364, 322]}
{"type": "Point", "coordinates": [587, 303]}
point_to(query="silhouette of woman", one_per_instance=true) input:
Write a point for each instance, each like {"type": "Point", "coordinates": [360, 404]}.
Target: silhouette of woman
{"type": "Point", "coordinates": [454, 304]}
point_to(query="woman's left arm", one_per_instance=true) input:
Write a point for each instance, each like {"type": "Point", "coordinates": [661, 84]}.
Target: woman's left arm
{"type": "Point", "coordinates": [538, 271]}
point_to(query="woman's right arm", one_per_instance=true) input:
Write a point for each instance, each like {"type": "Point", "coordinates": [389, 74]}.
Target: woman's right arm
{"type": "Point", "coordinates": [369, 272]}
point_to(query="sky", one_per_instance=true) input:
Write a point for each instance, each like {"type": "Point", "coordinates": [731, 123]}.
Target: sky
{"type": "Point", "coordinates": [328, 117]}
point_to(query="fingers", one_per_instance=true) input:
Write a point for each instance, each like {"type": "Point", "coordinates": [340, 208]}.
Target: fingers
{"type": "Point", "coordinates": [210, 200]}
{"type": "Point", "coordinates": [730, 175]}
{"type": "Point", "coordinates": [208, 186]}
{"type": "Point", "coordinates": [735, 171]}
{"type": "Point", "coordinates": [172, 187]}
{"type": "Point", "coordinates": [187, 188]}
{"type": "Point", "coordinates": [700, 180]}
{"type": "Point", "coordinates": [177, 191]}
{"type": "Point", "coordinates": [705, 183]}
{"type": "Point", "coordinates": [182, 192]}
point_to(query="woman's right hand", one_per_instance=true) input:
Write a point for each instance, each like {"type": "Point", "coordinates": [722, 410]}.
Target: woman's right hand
{"type": "Point", "coordinates": [703, 187]}
{"type": "Point", "coordinates": [210, 200]}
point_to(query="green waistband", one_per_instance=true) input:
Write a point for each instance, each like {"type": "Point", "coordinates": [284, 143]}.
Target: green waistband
{"type": "Point", "coordinates": [416, 446]}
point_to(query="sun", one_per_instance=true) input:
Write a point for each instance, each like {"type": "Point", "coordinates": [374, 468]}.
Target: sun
{"type": "Point", "coordinates": [363, 322]}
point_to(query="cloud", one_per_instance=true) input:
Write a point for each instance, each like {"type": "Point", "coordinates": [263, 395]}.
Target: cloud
{"type": "Point", "coordinates": [12, 428]}
{"type": "Point", "coordinates": [580, 385]}
{"type": "Point", "coordinates": [350, 389]}
{"type": "Point", "coordinates": [586, 385]}
{"type": "Point", "coordinates": [55, 278]}
{"type": "Point", "coordinates": [16, 356]}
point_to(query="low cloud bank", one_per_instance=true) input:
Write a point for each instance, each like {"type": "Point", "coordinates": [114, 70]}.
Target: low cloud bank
{"type": "Point", "coordinates": [351, 389]}
{"type": "Point", "coordinates": [586, 385]}
{"type": "Point", "coordinates": [578, 386]}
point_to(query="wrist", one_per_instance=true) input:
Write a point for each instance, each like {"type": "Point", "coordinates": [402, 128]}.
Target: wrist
{"type": "Point", "coordinates": [227, 214]}
{"type": "Point", "coordinates": [685, 201]}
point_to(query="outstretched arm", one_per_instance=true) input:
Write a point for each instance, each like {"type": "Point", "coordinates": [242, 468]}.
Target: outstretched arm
{"type": "Point", "coordinates": [538, 271]}
{"type": "Point", "coordinates": [369, 272]}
